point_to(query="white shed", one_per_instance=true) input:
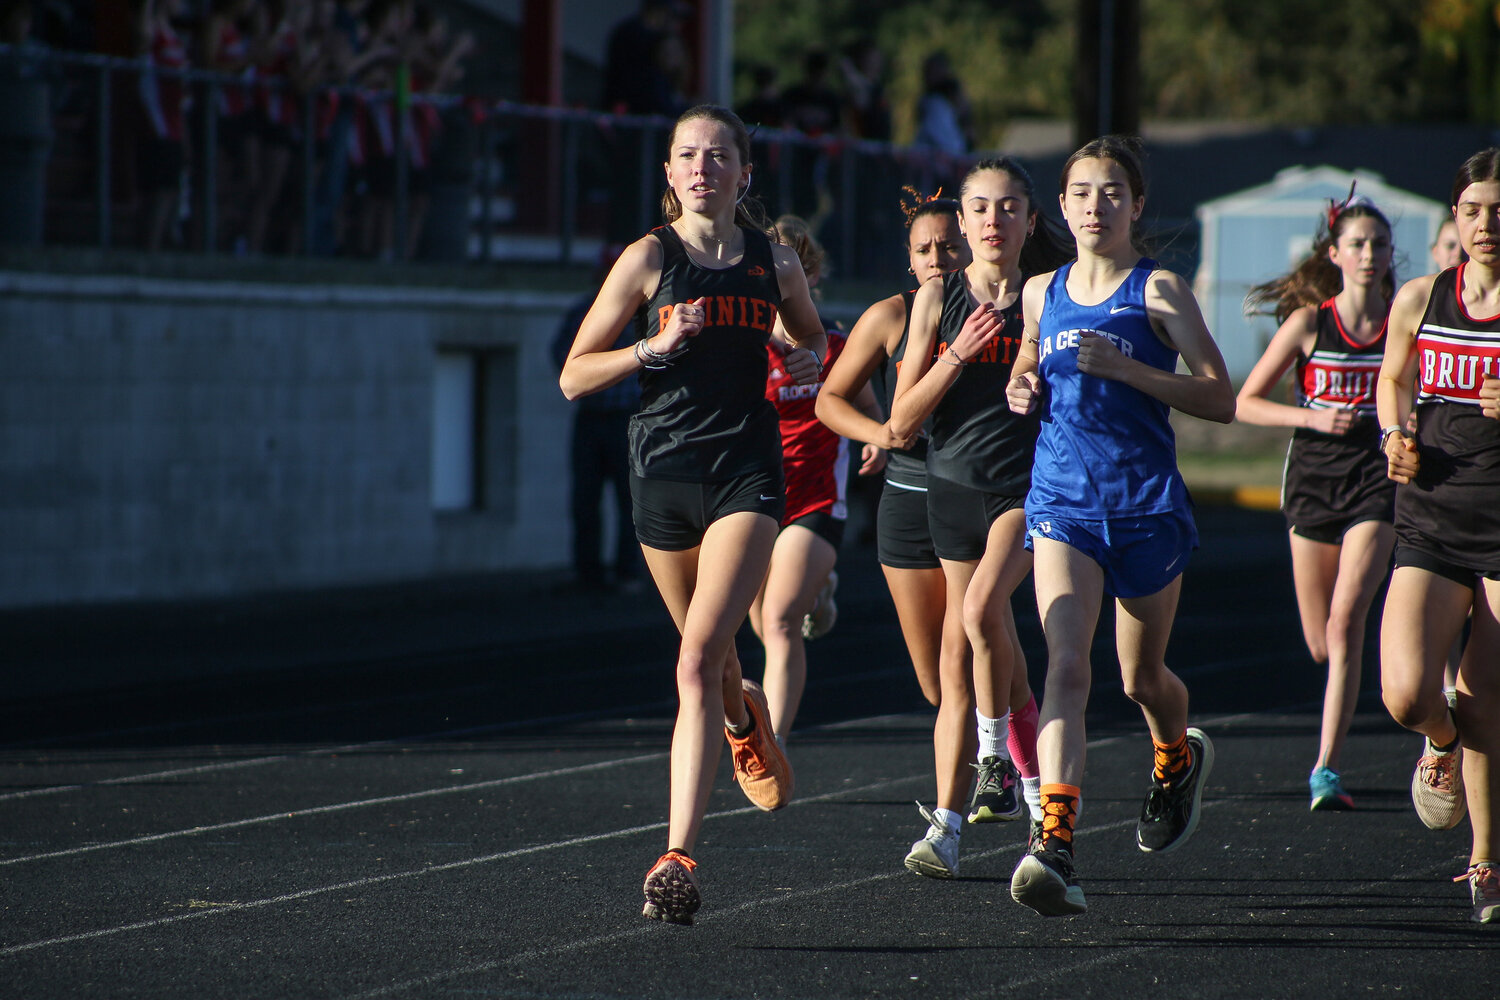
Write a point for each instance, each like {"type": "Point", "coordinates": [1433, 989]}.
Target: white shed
{"type": "Point", "coordinates": [1254, 235]}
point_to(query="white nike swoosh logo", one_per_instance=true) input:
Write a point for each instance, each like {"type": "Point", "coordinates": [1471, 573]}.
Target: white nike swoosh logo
{"type": "Point", "coordinates": [1174, 562]}
{"type": "Point", "coordinates": [768, 498]}
{"type": "Point", "coordinates": [1117, 309]}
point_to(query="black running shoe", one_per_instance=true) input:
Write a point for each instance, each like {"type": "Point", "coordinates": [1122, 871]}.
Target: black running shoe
{"type": "Point", "coordinates": [997, 793]}
{"type": "Point", "coordinates": [1170, 814]}
{"type": "Point", "coordinates": [1044, 881]}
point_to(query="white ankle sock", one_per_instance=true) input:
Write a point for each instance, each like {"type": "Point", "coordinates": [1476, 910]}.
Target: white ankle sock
{"type": "Point", "coordinates": [948, 818]}
{"type": "Point", "coordinates": [992, 734]}
{"type": "Point", "coordinates": [1031, 788]}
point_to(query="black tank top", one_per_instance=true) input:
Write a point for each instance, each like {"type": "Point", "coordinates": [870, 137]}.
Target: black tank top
{"type": "Point", "coordinates": [705, 418]}
{"type": "Point", "coordinates": [904, 466]}
{"type": "Point", "coordinates": [976, 440]}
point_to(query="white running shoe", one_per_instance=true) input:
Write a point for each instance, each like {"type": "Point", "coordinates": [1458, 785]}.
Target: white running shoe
{"type": "Point", "coordinates": [819, 621]}
{"type": "Point", "coordinates": [935, 855]}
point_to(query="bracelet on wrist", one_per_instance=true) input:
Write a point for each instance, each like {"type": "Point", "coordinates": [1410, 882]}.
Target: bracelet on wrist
{"type": "Point", "coordinates": [655, 360]}
{"type": "Point", "coordinates": [957, 362]}
{"type": "Point", "coordinates": [1386, 432]}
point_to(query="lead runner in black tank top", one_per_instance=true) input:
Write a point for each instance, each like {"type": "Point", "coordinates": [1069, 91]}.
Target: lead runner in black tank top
{"type": "Point", "coordinates": [705, 418]}
{"type": "Point", "coordinates": [875, 351]}
{"type": "Point", "coordinates": [706, 479]}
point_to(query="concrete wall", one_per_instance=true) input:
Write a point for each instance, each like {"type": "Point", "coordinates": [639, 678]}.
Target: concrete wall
{"type": "Point", "coordinates": [173, 439]}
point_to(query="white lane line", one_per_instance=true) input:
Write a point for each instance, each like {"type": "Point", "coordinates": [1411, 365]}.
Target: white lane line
{"type": "Point", "coordinates": [425, 793]}
{"type": "Point", "coordinates": [451, 866]}
{"type": "Point", "coordinates": [625, 711]}
{"type": "Point", "coordinates": [373, 880]}
{"type": "Point", "coordinates": [177, 772]}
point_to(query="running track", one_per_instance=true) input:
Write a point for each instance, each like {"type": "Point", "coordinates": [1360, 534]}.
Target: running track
{"type": "Point", "coordinates": [455, 791]}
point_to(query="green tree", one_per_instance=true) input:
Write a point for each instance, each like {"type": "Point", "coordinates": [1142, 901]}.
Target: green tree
{"type": "Point", "coordinates": [1282, 61]}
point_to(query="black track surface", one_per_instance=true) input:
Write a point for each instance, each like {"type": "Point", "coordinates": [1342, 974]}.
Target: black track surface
{"type": "Point", "coordinates": [455, 790]}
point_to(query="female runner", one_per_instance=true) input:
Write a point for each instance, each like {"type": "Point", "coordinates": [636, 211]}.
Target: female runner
{"type": "Point", "coordinates": [1338, 502]}
{"type": "Point", "coordinates": [979, 465]}
{"type": "Point", "coordinates": [1444, 349]}
{"type": "Point", "coordinates": [1108, 512]}
{"type": "Point", "coordinates": [704, 291]}
{"type": "Point", "coordinates": [815, 464]}
{"type": "Point", "coordinates": [876, 347]}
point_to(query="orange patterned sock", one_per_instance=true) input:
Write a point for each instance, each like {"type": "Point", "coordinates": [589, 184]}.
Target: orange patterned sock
{"type": "Point", "coordinates": [1059, 813]}
{"type": "Point", "coordinates": [1172, 760]}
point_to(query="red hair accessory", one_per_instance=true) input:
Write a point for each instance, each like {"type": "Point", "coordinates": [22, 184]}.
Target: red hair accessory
{"type": "Point", "coordinates": [1336, 209]}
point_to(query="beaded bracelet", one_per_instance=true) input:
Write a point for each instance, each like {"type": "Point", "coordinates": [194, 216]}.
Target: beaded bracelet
{"type": "Point", "coordinates": [956, 364]}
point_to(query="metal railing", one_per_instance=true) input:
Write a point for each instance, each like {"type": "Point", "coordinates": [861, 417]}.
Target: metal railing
{"type": "Point", "coordinates": [501, 180]}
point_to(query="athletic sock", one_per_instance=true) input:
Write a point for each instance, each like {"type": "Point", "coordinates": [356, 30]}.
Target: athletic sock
{"type": "Point", "coordinates": [1022, 740]}
{"type": "Point", "coordinates": [948, 818]}
{"type": "Point", "coordinates": [741, 731]}
{"type": "Point", "coordinates": [1059, 814]}
{"type": "Point", "coordinates": [1031, 789]}
{"type": "Point", "coordinates": [993, 734]}
{"type": "Point", "coordinates": [1173, 760]}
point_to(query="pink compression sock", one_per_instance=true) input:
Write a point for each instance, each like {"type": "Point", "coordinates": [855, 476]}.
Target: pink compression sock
{"type": "Point", "coordinates": [1021, 741]}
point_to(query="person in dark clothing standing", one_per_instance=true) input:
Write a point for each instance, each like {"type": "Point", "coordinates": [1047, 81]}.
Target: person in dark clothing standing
{"type": "Point", "coordinates": [600, 456]}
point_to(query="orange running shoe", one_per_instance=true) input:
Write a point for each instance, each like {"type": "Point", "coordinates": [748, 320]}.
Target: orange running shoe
{"type": "Point", "coordinates": [1437, 787]}
{"type": "Point", "coordinates": [671, 889]}
{"type": "Point", "coordinates": [760, 766]}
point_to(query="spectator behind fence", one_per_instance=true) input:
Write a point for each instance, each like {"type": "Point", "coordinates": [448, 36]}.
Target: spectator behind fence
{"type": "Point", "coordinates": [811, 105]}
{"type": "Point", "coordinates": [224, 45]}
{"type": "Point", "coordinates": [764, 108]}
{"type": "Point", "coordinates": [636, 82]}
{"type": "Point", "coordinates": [437, 68]}
{"type": "Point", "coordinates": [350, 50]}
{"type": "Point", "coordinates": [28, 57]}
{"type": "Point", "coordinates": [867, 109]}
{"type": "Point", "coordinates": [944, 119]}
{"type": "Point", "coordinates": [287, 55]}
{"type": "Point", "coordinates": [26, 79]}
{"type": "Point", "coordinates": [162, 139]}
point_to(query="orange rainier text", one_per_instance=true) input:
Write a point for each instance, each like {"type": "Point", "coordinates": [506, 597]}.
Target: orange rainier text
{"type": "Point", "coordinates": [730, 310]}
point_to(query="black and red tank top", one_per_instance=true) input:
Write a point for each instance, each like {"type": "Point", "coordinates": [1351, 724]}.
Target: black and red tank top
{"type": "Point", "coordinates": [1340, 374]}
{"type": "Point", "coordinates": [1455, 353]}
{"type": "Point", "coordinates": [705, 418]}
{"type": "Point", "coordinates": [1453, 505]}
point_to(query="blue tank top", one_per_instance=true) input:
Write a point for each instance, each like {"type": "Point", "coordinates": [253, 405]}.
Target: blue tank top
{"type": "Point", "coordinates": [1106, 450]}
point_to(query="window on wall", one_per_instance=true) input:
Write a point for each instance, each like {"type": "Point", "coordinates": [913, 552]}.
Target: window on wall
{"type": "Point", "coordinates": [455, 393]}
{"type": "Point", "coordinates": [473, 431]}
